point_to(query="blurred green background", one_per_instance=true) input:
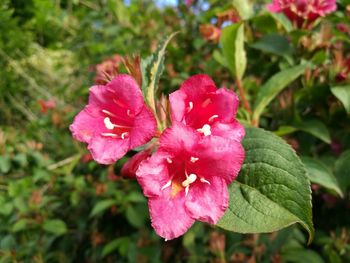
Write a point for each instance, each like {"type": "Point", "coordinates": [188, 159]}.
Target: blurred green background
{"type": "Point", "coordinates": [57, 205]}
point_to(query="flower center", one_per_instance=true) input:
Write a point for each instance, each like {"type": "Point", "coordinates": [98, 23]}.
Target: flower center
{"type": "Point", "coordinates": [179, 171]}
{"type": "Point", "coordinates": [120, 131]}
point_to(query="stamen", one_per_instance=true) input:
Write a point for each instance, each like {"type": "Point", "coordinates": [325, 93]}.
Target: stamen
{"type": "Point", "coordinates": [190, 179]}
{"type": "Point", "coordinates": [194, 159]}
{"type": "Point", "coordinates": [124, 134]}
{"type": "Point", "coordinates": [169, 160]}
{"type": "Point", "coordinates": [190, 107]}
{"type": "Point", "coordinates": [204, 181]}
{"type": "Point", "coordinates": [206, 130]}
{"type": "Point", "coordinates": [186, 190]}
{"type": "Point", "coordinates": [109, 125]}
{"type": "Point", "coordinates": [128, 112]}
{"type": "Point", "coordinates": [109, 135]}
{"type": "Point", "coordinates": [213, 117]}
{"type": "Point", "coordinates": [206, 103]}
{"type": "Point", "coordinates": [109, 113]}
{"type": "Point", "coordinates": [119, 103]}
{"type": "Point", "coordinates": [166, 185]}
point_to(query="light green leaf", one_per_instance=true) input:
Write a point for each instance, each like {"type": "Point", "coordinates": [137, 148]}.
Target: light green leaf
{"type": "Point", "coordinates": [244, 8]}
{"type": "Point", "coordinates": [284, 130]}
{"type": "Point", "coordinates": [315, 128]}
{"type": "Point", "coordinates": [5, 164]}
{"type": "Point", "coordinates": [232, 42]}
{"type": "Point", "coordinates": [342, 170]}
{"type": "Point", "coordinates": [283, 20]}
{"type": "Point", "coordinates": [55, 226]}
{"type": "Point", "coordinates": [274, 86]}
{"type": "Point", "coordinates": [102, 206]}
{"type": "Point", "coordinates": [20, 225]}
{"type": "Point", "coordinates": [152, 67]}
{"type": "Point", "coordinates": [319, 173]}
{"type": "Point", "coordinates": [343, 94]}
{"type": "Point", "coordinates": [121, 244]}
{"type": "Point", "coordinates": [272, 190]}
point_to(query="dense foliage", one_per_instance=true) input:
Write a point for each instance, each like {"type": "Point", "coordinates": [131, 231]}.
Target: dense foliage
{"type": "Point", "coordinates": [58, 205]}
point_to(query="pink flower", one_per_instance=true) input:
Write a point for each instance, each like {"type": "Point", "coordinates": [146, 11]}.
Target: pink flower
{"type": "Point", "coordinates": [107, 69]}
{"type": "Point", "coordinates": [208, 110]}
{"type": "Point", "coordinates": [46, 105]}
{"type": "Point", "coordinates": [186, 179]}
{"type": "Point", "coordinates": [299, 11]}
{"type": "Point", "coordinates": [115, 120]}
{"type": "Point", "coordinates": [130, 167]}
{"type": "Point", "coordinates": [188, 2]}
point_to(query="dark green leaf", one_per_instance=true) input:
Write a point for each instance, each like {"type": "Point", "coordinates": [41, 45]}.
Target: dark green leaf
{"type": "Point", "coordinates": [272, 190]}
{"type": "Point", "coordinates": [102, 206]}
{"type": "Point", "coordinates": [342, 170]}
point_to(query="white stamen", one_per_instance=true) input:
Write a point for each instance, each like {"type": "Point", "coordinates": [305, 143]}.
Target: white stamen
{"type": "Point", "coordinates": [194, 159]}
{"type": "Point", "coordinates": [166, 185]}
{"type": "Point", "coordinates": [109, 135]}
{"type": "Point", "coordinates": [128, 112]}
{"type": "Point", "coordinates": [190, 107]}
{"type": "Point", "coordinates": [169, 160]}
{"type": "Point", "coordinates": [124, 134]}
{"type": "Point", "coordinates": [109, 125]}
{"type": "Point", "coordinates": [186, 190]}
{"type": "Point", "coordinates": [165, 240]}
{"type": "Point", "coordinates": [206, 130]}
{"type": "Point", "coordinates": [204, 181]}
{"type": "Point", "coordinates": [109, 113]}
{"type": "Point", "coordinates": [191, 178]}
{"type": "Point", "coordinates": [213, 117]}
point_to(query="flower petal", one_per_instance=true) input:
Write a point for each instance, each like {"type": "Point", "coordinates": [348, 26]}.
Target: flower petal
{"type": "Point", "coordinates": [225, 103]}
{"type": "Point", "coordinates": [219, 157]}
{"type": "Point", "coordinates": [145, 126]}
{"type": "Point", "coordinates": [233, 131]}
{"type": "Point", "coordinates": [207, 203]}
{"type": "Point", "coordinates": [197, 85]}
{"type": "Point", "coordinates": [177, 105]}
{"type": "Point", "coordinates": [130, 167]}
{"type": "Point", "coordinates": [85, 125]}
{"type": "Point", "coordinates": [108, 150]}
{"type": "Point", "coordinates": [152, 174]}
{"type": "Point", "coordinates": [169, 217]}
{"type": "Point", "coordinates": [126, 89]}
{"type": "Point", "coordinates": [178, 138]}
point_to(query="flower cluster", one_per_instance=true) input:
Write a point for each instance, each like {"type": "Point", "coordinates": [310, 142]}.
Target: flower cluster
{"type": "Point", "coordinates": [303, 12]}
{"type": "Point", "coordinates": [186, 171]}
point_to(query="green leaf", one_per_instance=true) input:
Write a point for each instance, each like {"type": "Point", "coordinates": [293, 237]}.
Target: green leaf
{"type": "Point", "coordinates": [274, 86]}
{"type": "Point", "coordinates": [55, 226]}
{"type": "Point", "coordinates": [102, 206]}
{"type": "Point", "coordinates": [152, 67]}
{"type": "Point", "coordinates": [121, 243]}
{"type": "Point", "coordinates": [319, 173]}
{"type": "Point", "coordinates": [275, 44]}
{"type": "Point", "coordinates": [5, 164]}
{"type": "Point", "coordinates": [342, 170]}
{"type": "Point", "coordinates": [284, 130]}
{"type": "Point", "coordinates": [232, 42]}
{"type": "Point", "coordinates": [343, 94]}
{"type": "Point", "coordinates": [272, 190]}
{"type": "Point", "coordinates": [20, 225]}
{"type": "Point", "coordinates": [315, 128]}
{"type": "Point", "coordinates": [301, 255]}
{"type": "Point", "coordinates": [244, 8]}
{"type": "Point", "coordinates": [283, 20]}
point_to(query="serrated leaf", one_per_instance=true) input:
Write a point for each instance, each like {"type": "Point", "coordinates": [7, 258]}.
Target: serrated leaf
{"type": "Point", "coordinates": [342, 170]}
{"type": "Point", "coordinates": [152, 67]}
{"type": "Point", "coordinates": [319, 173]}
{"type": "Point", "coordinates": [274, 86]}
{"type": "Point", "coordinates": [272, 190]}
{"type": "Point", "coordinates": [55, 226]}
{"type": "Point", "coordinates": [232, 42]}
{"type": "Point", "coordinates": [315, 128]}
{"type": "Point", "coordinates": [102, 206]}
{"type": "Point", "coordinates": [343, 94]}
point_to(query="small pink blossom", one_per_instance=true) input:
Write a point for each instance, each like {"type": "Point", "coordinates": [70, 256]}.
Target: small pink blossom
{"type": "Point", "coordinates": [186, 179]}
{"type": "Point", "coordinates": [299, 11]}
{"type": "Point", "coordinates": [115, 120]}
{"type": "Point", "coordinates": [46, 105]}
{"type": "Point", "coordinates": [188, 2]}
{"type": "Point", "coordinates": [107, 69]}
{"type": "Point", "coordinates": [208, 110]}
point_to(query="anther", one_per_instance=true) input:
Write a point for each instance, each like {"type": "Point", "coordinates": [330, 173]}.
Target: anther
{"type": "Point", "coordinates": [124, 134]}
{"type": "Point", "coordinates": [206, 130]}
{"type": "Point", "coordinates": [204, 181]}
{"type": "Point", "coordinates": [166, 185]}
{"type": "Point", "coordinates": [169, 160]}
{"type": "Point", "coordinates": [213, 117]}
{"type": "Point", "coordinates": [194, 159]}
{"type": "Point", "coordinates": [109, 125]}
{"type": "Point", "coordinates": [190, 107]}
